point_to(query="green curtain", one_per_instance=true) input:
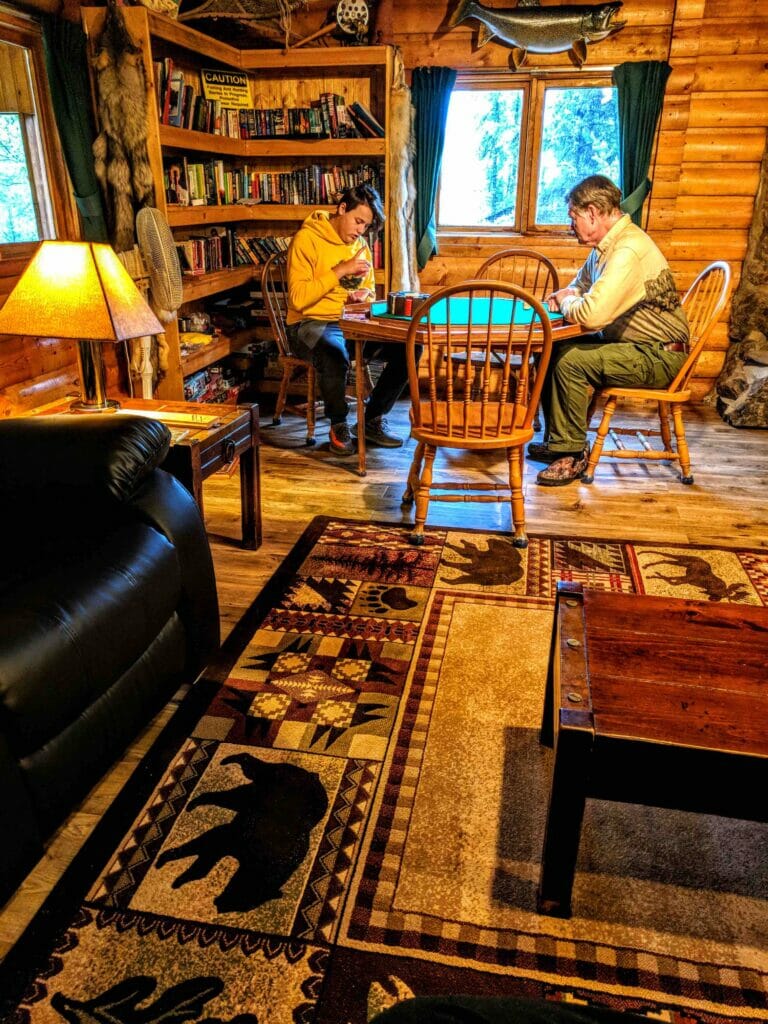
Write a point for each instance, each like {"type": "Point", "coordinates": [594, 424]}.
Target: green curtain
{"type": "Point", "coordinates": [430, 94]}
{"type": "Point", "coordinates": [640, 89]}
{"type": "Point", "coordinates": [67, 67]}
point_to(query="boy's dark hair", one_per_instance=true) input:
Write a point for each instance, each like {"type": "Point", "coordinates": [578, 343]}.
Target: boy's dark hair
{"type": "Point", "coordinates": [364, 195]}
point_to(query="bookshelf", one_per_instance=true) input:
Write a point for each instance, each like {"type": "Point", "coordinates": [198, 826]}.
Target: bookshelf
{"type": "Point", "coordinates": [277, 80]}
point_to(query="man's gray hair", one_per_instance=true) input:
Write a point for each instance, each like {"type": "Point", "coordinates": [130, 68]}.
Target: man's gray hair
{"type": "Point", "coordinates": [597, 191]}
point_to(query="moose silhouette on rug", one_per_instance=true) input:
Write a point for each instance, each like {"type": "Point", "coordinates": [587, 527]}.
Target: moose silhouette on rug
{"type": "Point", "coordinates": [275, 813]}
{"type": "Point", "coordinates": [698, 573]}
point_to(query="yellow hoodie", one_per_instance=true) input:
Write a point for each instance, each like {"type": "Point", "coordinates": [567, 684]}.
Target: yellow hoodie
{"type": "Point", "coordinates": [314, 291]}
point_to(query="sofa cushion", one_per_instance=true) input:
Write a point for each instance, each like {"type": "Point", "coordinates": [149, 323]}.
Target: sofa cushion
{"type": "Point", "coordinates": [68, 632]}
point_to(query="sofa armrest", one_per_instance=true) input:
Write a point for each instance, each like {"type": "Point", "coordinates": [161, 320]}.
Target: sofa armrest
{"type": "Point", "coordinates": [168, 506]}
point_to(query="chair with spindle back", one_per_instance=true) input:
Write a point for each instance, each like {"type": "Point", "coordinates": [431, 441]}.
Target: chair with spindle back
{"type": "Point", "coordinates": [529, 270]}
{"type": "Point", "coordinates": [703, 303]}
{"type": "Point", "coordinates": [274, 287]}
{"type": "Point", "coordinates": [526, 268]}
{"type": "Point", "coordinates": [481, 321]}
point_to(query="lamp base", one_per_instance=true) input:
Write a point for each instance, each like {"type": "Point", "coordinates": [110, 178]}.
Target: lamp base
{"type": "Point", "coordinates": [110, 405]}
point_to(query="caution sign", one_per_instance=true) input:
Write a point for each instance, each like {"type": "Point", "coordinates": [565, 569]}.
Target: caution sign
{"type": "Point", "coordinates": [231, 88]}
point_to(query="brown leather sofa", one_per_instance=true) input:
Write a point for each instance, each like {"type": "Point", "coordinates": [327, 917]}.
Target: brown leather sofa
{"type": "Point", "coordinates": [107, 604]}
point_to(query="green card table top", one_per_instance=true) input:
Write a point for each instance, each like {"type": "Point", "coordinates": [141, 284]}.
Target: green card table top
{"type": "Point", "coordinates": [205, 437]}
{"type": "Point", "coordinates": [651, 700]}
{"type": "Point", "coordinates": [383, 326]}
{"type": "Point", "coordinates": [379, 326]}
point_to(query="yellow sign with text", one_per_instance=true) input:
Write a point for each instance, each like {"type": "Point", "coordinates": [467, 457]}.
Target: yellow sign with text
{"type": "Point", "coordinates": [231, 88]}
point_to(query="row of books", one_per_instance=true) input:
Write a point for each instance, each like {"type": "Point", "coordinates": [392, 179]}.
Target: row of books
{"type": "Point", "coordinates": [223, 248]}
{"type": "Point", "coordinates": [211, 182]}
{"type": "Point", "coordinates": [182, 105]}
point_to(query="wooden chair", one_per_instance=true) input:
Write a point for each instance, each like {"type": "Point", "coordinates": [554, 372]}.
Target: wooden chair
{"type": "Point", "coordinates": [529, 270]}
{"type": "Point", "coordinates": [274, 287]}
{"type": "Point", "coordinates": [526, 268]}
{"type": "Point", "coordinates": [453, 415]}
{"type": "Point", "coordinates": [703, 303]}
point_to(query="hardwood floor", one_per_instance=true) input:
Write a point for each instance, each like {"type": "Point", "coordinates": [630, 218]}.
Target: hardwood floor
{"type": "Point", "coordinates": [726, 506]}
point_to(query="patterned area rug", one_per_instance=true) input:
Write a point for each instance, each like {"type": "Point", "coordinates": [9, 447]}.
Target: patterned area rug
{"type": "Point", "coordinates": [355, 811]}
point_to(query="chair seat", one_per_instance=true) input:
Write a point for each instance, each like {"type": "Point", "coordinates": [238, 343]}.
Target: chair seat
{"type": "Point", "coordinates": [647, 393]}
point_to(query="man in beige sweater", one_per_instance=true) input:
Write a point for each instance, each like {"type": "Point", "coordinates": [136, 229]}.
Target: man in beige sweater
{"type": "Point", "coordinates": [626, 297]}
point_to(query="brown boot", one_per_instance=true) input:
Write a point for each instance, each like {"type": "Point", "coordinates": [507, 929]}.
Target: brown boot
{"type": "Point", "coordinates": [564, 471]}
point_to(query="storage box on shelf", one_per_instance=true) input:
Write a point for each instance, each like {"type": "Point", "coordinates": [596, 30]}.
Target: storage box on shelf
{"type": "Point", "coordinates": [311, 128]}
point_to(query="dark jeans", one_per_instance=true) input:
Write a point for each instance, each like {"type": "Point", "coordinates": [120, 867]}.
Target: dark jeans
{"type": "Point", "coordinates": [331, 355]}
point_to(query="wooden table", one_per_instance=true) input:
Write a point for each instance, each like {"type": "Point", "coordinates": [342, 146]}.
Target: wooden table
{"type": "Point", "coordinates": [655, 701]}
{"type": "Point", "coordinates": [379, 326]}
{"type": "Point", "coordinates": [221, 434]}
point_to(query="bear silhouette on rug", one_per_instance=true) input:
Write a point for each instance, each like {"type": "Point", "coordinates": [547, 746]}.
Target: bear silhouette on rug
{"type": "Point", "coordinates": [269, 835]}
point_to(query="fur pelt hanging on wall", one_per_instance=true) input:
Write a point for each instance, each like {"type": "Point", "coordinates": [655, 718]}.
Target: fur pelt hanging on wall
{"type": "Point", "coordinates": [402, 187]}
{"type": "Point", "coordinates": [120, 153]}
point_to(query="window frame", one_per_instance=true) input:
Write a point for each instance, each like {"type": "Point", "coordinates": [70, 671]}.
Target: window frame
{"type": "Point", "coordinates": [50, 179]}
{"type": "Point", "coordinates": [534, 85]}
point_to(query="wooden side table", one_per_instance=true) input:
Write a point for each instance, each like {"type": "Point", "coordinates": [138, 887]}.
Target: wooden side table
{"type": "Point", "coordinates": [199, 449]}
{"type": "Point", "coordinates": [654, 701]}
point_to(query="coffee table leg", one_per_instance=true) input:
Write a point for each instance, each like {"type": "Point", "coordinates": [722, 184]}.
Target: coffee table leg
{"type": "Point", "coordinates": [250, 499]}
{"type": "Point", "coordinates": [360, 395]}
{"type": "Point", "coordinates": [564, 817]}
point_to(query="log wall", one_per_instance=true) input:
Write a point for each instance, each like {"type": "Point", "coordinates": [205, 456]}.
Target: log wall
{"type": "Point", "coordinates": [711, 141]}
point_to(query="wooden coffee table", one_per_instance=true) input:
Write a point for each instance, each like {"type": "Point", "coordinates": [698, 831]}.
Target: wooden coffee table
{"type": "Point", "coordinates": [652, 701]}
{"type": "Point", "coordinates": [221, 434]}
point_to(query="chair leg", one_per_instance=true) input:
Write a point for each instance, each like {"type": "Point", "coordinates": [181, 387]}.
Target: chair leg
{"type": "Point", "coordinates": [282, 395]}
{"type": "Point", "coordinates": [592, 405]}
{"type": "Point", "coordinates": [686, 476]}
{"type": "Point", "coordinates": [666, 435]}
{"type": "Point", "coordinates": [597, 447]}
{"type": "Point", "coordinates": [515, 461]}
{"type": "Point", "coordinates": [310, 405]}
{"type": "Point", "coordinates": [422, 496]}
{"type": "Point", "coordinates": [413, 475]}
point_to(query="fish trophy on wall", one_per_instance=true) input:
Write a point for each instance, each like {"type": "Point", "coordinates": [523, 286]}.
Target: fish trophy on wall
{"type": "Point", "coordinates": [531, 27]}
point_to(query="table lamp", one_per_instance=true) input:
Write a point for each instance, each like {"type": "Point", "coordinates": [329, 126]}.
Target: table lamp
{"type": "Point", "coordinates": [79, 290]}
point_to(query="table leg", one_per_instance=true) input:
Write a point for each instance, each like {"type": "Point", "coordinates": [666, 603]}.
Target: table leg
{"type": "Point", "coordinates": [360, 395]}
{"type": "Point", "coordinates": [563, 830]}
{"type": "Point", "coordinates": [250, 497]}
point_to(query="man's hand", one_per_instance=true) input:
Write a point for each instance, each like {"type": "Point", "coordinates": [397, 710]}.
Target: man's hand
{"type": "Point", "coordinates": [553, 301]}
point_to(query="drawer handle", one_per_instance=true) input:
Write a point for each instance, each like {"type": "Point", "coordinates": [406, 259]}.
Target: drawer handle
{"type": "Point", "coordinates": [228, 452]}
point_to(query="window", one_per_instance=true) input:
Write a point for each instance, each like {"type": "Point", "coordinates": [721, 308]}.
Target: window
{"type": "Point", "coordinates": [514, 148]}
{"type": "Point", "coordinates": [26, 213]}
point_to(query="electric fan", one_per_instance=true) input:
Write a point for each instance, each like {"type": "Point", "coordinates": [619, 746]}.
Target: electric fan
{"type": "Point", "coordinates": [158, 250]}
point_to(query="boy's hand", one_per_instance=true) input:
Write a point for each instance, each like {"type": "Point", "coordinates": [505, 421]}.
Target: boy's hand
{"type": "Point", "coordinates": [358, 266]}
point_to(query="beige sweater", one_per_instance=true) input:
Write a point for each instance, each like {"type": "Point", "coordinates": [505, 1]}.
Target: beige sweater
{"type": "Point", "coordinates": [626, 290]}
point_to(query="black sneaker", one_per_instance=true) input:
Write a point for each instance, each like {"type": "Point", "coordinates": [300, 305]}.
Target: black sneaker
{"type": "Point", "coordinates": [377, 433]}
{"type": "Point", "coordinates": [340, 439]}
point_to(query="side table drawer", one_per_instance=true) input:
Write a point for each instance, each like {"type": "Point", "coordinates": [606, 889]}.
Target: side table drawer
{"type": "Point", "coordinates": [218, 452]}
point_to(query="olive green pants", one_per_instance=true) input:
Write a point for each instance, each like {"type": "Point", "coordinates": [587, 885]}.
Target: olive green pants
{"type": "Point", "coordinates": [578, 366]}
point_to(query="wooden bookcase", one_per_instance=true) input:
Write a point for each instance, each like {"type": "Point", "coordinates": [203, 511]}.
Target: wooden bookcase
{"type": "Point", "coordinates": [277, 78]}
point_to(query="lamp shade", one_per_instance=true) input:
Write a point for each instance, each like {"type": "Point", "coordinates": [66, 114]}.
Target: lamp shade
{"type": "Point", "coordinates": [77, 290]}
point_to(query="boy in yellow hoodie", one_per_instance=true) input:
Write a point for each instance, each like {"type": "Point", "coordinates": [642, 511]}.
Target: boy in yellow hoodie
{"type": "Point", "coordinates": [330, 263]}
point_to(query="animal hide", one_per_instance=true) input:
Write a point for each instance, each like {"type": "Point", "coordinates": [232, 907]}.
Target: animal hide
{"type": "Point", "coordinates": [402, 188]}
{"type": "Point", "coordinates": [120, 153]}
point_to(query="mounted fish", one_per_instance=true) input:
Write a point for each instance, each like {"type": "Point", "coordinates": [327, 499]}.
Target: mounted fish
{"type": "Point", "coordinates": [531, 27]}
